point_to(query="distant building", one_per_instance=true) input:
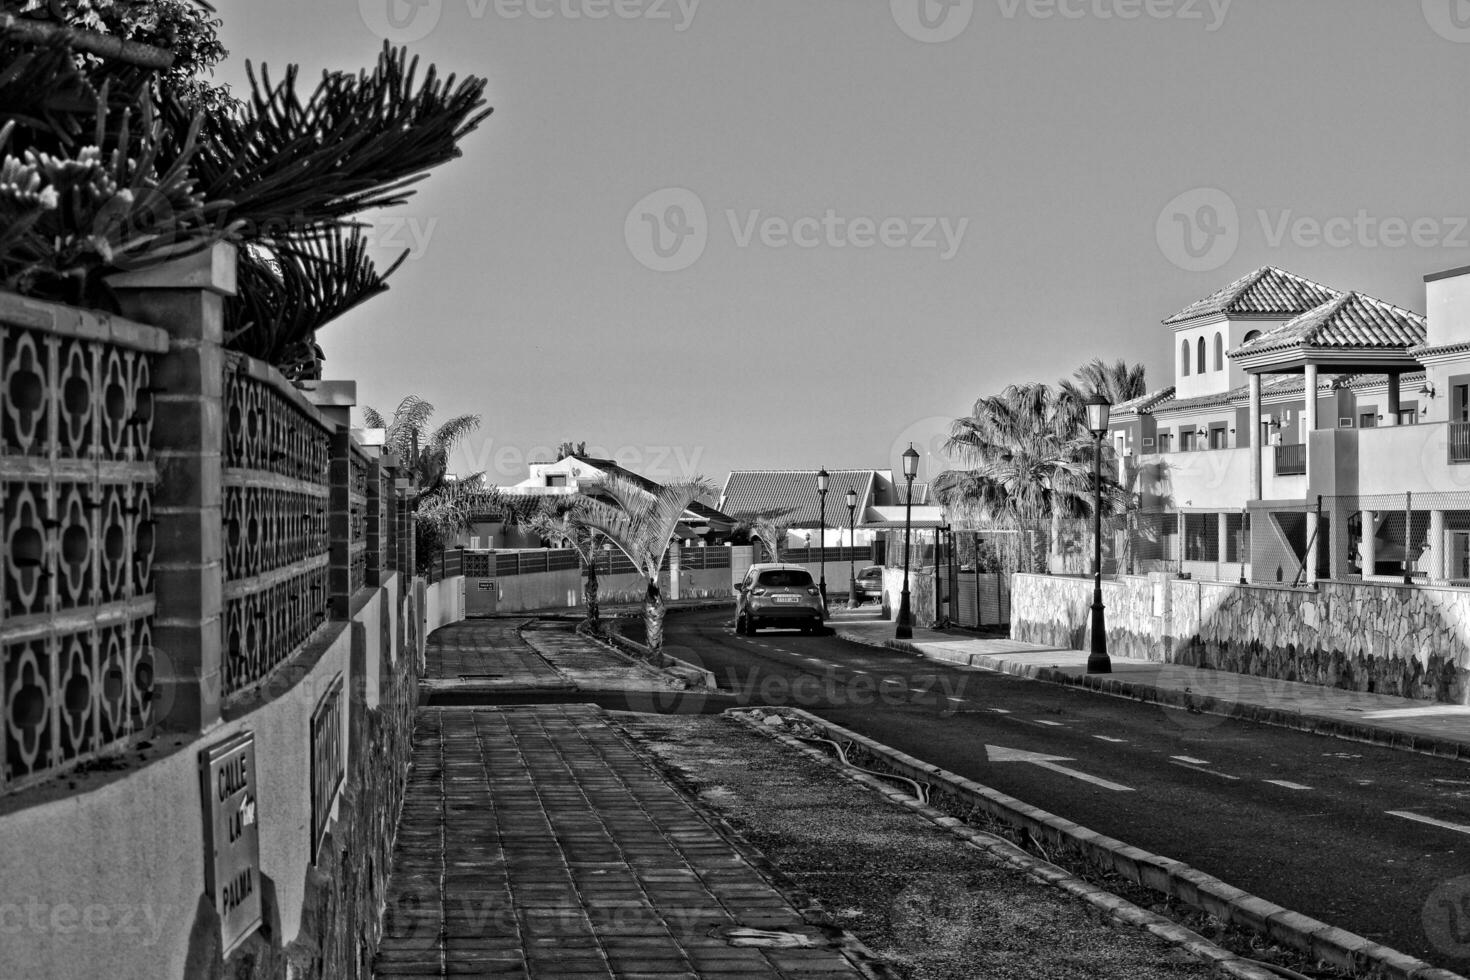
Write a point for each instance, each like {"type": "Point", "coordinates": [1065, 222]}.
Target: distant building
{"type": "Point", "coordinates": [791, 497]}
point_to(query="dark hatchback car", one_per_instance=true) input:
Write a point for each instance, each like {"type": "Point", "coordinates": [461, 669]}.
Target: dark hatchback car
{"type": "Point", "coordinates": [778, 595]}
{"type": "Point", "coordinates": [870, 584]}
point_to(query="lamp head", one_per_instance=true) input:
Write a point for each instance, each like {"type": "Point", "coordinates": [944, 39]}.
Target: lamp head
{"type": "Point", "coordinates": [910, 463]}
{"type": "Point", "coordinates": [851, 497]}
{"type": "Point", "coordinates": [1098, 410]}
{"type": "Point", "coordinates": [822, 477]}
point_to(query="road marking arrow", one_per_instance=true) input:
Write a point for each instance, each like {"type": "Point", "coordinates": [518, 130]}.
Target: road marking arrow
{"type": "Point", "coordinates": [996, 753]}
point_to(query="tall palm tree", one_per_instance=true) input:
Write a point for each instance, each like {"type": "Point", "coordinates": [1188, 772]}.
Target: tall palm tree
{"type": "Point", "coordinates": [641, 523]}
{"type": "Point", "coordinates": [561, 519]}
{"type": "Point", "coordinates": [425, 450]}
{"type": "Point", "coordinates": [1118, 382]}
{"type": "Point", "coordinates": [1031, 463]}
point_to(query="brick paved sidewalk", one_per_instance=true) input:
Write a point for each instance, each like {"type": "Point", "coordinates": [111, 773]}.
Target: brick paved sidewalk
{"type": "Point", "coordinates": [535, 842]}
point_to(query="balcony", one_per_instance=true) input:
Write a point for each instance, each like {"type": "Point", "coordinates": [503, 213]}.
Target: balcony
{"type": "Point", "coordinates": [1291, 460]}
{"type": "Point", "coordinates": [1459, 440]}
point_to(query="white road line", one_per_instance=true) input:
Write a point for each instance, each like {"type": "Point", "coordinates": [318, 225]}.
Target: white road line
{"type": "Point", "coordinates": [956, 700]}
{"type": "Point", "coordinates": [1212, 772]}
{"type": "Point", "coordinates": [1457, 827]}
{"type": "Point", "coordinates": [1285, 784]}
{"type": "Point", "coordinates": [1191, 760]}
{"type": "Point", "coordinates": [1053, 724]}
{"type": "Point", "coordinates": [1000, 711]}
{"type": "Point", "coordinates": [1113, 740]}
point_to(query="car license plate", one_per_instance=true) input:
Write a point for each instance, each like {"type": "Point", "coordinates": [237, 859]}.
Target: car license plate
{"type": "Point", "coordinates": [788, 598]}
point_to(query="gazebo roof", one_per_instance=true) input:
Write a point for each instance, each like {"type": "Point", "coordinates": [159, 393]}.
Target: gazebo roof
{"type": "Point", "coordinates": [1353, 330]}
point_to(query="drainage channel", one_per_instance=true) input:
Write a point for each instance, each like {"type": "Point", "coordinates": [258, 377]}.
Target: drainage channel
{"type": "Point", "coordinates": [643, 702]}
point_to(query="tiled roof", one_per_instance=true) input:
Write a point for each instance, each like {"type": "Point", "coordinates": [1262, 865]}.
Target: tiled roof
{"type": "Point", "coordinates": [1283, 386]}
{"type": "Point", "coordinates": [1352, 321]}
{"type": "Point", "coordinates": [610, 467]}
{"type": "Point", "coordinates": [1266, 292]}
{"type": "Point", "coordinates": [792, 494]}
{"type": "Point", "coordinates": [1143, 403]}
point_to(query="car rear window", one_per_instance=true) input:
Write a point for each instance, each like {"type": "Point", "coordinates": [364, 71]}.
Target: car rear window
{"type": "Point", "coordinates": [784, 578]}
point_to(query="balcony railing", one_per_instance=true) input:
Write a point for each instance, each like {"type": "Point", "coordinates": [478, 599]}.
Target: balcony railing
{"type": "Point", "coordinates": [1291, 460]}
{"type": "Point", "coordinates": [1459, 441]}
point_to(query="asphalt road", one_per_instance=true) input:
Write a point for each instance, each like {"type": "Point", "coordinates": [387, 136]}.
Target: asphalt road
{"type": "Point", "coordinates": [1309, 822]}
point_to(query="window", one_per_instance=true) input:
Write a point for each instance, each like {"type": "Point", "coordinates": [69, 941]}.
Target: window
{"type": "Point", "coordinates": [1460, 403]}
{"type": "Point", "coordinates": [556, 479]}
{"type": "Point", "coordinates": [1201, 537]}
{"type": "Point", "coordinates": [1251, 335]}
{"type": "Point", "coordinates": [1186, 440]}
{"type": "Point", "coordinates": [1409, 416]}
{"type": "Point", "coordinates": [785, 578]}
{"type": "Point", "coordinates": [1200, 365]}
{"type": "Point", "coordinates": [1367, 420]}
{"type": "Point", "coordinates": [1217, 438]}
{"type": "Point", "coordinates": [1165, 441]}
{"type": "Point", "coordinates": [1219, 353]}
{"type": "Point", "coordinates": [1184, 358]}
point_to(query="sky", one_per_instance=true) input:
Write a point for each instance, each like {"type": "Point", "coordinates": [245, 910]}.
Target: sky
{"type": "Point", "coordinates": [704, 235]}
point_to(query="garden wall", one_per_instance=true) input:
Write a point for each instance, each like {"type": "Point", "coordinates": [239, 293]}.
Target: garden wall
{"type": "Point", "coordinates": [1409, 641]}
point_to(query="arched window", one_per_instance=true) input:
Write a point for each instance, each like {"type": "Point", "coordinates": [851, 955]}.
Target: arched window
{"type": "Point", "coordinates": [1200, 366]}
{"type": "Point", "coordinates": [1184, 358]}
{"type": "Point", "coordinates": [1219, 353]}
{"type": "Point", "coordinates": [1252, 335]}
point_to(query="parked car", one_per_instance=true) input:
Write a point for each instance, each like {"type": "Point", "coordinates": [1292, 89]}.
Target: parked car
{"type": "Point", "coordinates": [870, 584]}
{"type": "Point", "coordinates": [777, 594]}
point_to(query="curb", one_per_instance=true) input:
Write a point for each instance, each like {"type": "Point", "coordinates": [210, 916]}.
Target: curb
{"type": "Point", "coordinates": [1338, 947]}
{"type": "Point", "coordinates": [694, 677]}
{"type": "Point", "coordinates": [1241, 710]}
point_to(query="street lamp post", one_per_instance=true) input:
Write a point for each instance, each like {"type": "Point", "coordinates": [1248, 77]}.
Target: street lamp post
{"type": "Point", "coordinates": [822, 478]}
{"type": "Point", "coordinates": [1098, 408]}
{"type": "Point", "coordinates": [851, 549]}
{"type": "Point", "coordinates": [905, 629]}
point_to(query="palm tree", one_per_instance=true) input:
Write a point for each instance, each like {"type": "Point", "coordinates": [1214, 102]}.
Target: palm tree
{"type": "Point", "coordinates": [770, 526]}
{"type": "Point", "coordinates": [426, 452]}
{"type": "Point", "coordinates": [641, 523]}
{"type": "Point", "coordinates": [1031, 463]}
{"type": "Point", "coordinates": [1118, 382]}
{"type": "Point", "coordinates": [561, 519]}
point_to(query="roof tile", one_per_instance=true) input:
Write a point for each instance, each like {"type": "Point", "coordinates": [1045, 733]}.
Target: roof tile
{"type": "Point", "coordinates": [1268, 291]}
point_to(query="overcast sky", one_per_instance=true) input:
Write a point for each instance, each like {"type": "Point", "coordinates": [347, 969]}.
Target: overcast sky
{"type": "Point", "coordinates": [799, 233]}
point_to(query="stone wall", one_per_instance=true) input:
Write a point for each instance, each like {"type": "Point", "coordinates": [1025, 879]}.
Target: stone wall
{"type": "Point", "coordinates": [1409, 641]}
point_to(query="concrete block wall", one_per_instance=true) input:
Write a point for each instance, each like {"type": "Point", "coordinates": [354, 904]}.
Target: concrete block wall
{"type": "Point", "coordinates": [105, 862]}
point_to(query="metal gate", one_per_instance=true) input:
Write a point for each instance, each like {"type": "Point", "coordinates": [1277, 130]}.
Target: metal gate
{"type": "Point", "coordinates": [481, 592]}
